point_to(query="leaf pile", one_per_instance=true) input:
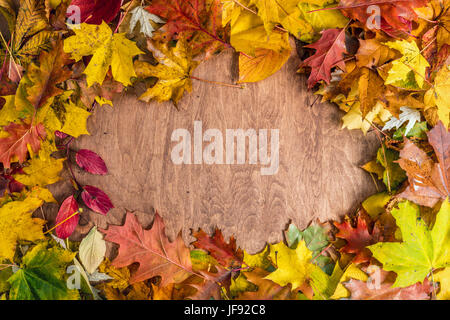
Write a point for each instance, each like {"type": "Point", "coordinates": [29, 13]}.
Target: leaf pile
{"type": "Point", "coordinates": [389, 73]}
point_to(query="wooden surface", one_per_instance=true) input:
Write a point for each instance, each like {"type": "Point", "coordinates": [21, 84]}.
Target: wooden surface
{"type": "Point", "coordinates": [319, 174]}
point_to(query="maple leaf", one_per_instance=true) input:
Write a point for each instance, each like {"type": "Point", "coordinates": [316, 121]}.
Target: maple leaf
{"type": "Point", "coordinates": [17, 224]}
{"type": "Point", "coordinates": [225, 253]}
{"type": "Point", "coordinates": [439, 95]}
{"type": "Point", "coordinates": [443, 278]}
{"type": "Point", "coordinates": [41, 275]}
{"type": "Point", "coordinates": [383, 290]}
{"type": "Point", "coordinates": [139, 14]}
{"type": "Point", "coordinates": [107, 50]}
{"type": "Point", "coordinates": [173, 72]}
{"type": "Point", "coordinates": [330, 49]}
{"type": "Point", "coordinates": [357, 238]}
{"type": "Point", "coordinates": [294, 266]}
{"type": "Point", "coordinates": [407, 114]}
{"type": "Point", "coordinates": [422, 250]}
{"type": "Point", "coordinates": [395, 15]}
{"type": "Point", "coordinates": [372, 53]}
{"type": "Point", "coordinates": [198, 20]}
{"type": "Point", "coordinates": [429, 182]}
{"type": "Point", "coordinates": [19, 138]}
{"type": "Point", "coordinates": [370, 85]}
{"type": "Point", "coordinates": [409, 70]}
{"type": "Point", "coordinates": [267, 289]}
{"type": "Point", "coordinates": [41, 79]}
{"type": "Point", "coordinates": [96, 11]}
{"type": "Point", "coordinates": [156, 255]}
{"type": "Point", "coordinates": [91, 162]}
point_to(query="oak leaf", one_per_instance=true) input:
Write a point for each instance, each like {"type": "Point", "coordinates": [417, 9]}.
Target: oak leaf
{"type": "Point", "coordinates": [156, 255]}
{"type": "Point", "coordinates": [330, 49]}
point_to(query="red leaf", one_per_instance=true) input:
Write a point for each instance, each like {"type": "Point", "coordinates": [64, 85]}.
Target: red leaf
{"type": "Point", "coordinates": [357, 239]}
{"type": "Point", "coordinates": [20, 136]}
{"type": "Point", "coordinates": [330, 53]}
{"type": "Point", "coordinates": [96, 200]}
{"type": "Point", "coordinates": [68, 208]}
{"type": "Point", "coordinates": [200, 20]}
{"type": "Point", "coordinates": [223, 252]}
{"type": "Point", "coordinates": [91, 162]}
{"type": "Point", "coordinates": [94, 11]}
{"type": "Point", "coordinates": [156, 255]}
{"type": "Point", "coordinates": [396, 15]}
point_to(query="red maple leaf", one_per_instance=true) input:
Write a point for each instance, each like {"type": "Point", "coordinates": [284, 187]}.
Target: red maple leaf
{"type": "Point", "coordinates": [396, 15]}
{"type": "Point", "coordinates": [16, 143]}
{"type": "Point", "coordinates": [96, 11]}
{"type": "Point", "coordinates": [357, 238]}
{"type": "Point", "coordinates": [330, 49]}
{"type": "Point", "coordinates": [156, 255]}
{"type": "Point", "coordinates": [225, 253]}
{"type": "Point", "coordinates": [199, 20]}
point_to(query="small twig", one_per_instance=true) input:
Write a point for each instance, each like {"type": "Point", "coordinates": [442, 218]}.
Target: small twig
{"type": "Point", "coordinates": [219, 83]}
{"type": "Point", "coordinates": [123, 16]}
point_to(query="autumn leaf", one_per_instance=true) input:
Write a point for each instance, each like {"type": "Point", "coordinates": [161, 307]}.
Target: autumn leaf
{"type": "Point", "coordinates": [294, 266]}
{"type": "Point", "coordinates": [67, 218]}
{"type": "Point", "coordinates": [199, 21]}
{"type": "Point", "coordinates": [357, 239]}
{"type": "Point", "coordinates": [173, 72]}
{"type": "Point", "coordinates": [225, 253]}
{"type": "Point", "coordinates": [429, 182]}
{"type": "Point", "coordinates": [370, 85]}
{"type": "Point", "coordinates": [372, 53]}
{"type": "Point", "coordinates": [18, 140]}
{"type": "Point", "coordinates": [156, 255]}
{"type": "Point", "coordinates": [380, 288]}
{"type": "Point", "coordinates": [92, 250]}
{"type": "Point", "coordinates": [41, 275]}
{"type": "Point", "coordinates": [329, 53]}
{"type": "Point", "coordinates": [96, 11]}
{"type": "Point", "coordinates": [107, 50]}
{"type": "Point", "coordinates": [17, 224]}
{"type": "Point", "coordinates": [422, 250]}
{"type": "Point", "coordinates": [439, 95]}
{"type": "Point", "coordinates": [96, 199]}
{"type": "Point", "coordinates": [91, 162]}
{"type": "Point", "coordinates": [395, 15]}
{"type": "Point", "coordinates": [139, 14]}
{"type": "Point", "coordinates": [408, 71]}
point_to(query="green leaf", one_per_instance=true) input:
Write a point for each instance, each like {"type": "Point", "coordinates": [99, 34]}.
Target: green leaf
{"type": "Point", "coordinates": [418, 131]}
{"type": "Point", "coordinates": [393, 174]}
{"type": "Point", "coordinates": [422, 249]}
{"type": "Point", "coordinates": [41, 276]}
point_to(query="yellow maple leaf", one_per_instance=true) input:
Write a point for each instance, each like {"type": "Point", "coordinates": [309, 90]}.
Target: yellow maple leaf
{"type": "Point", "coordinates": [354, 119]}
{"type": "Point", "coordinates": [443, 277]}
{"type": "Point", "coordinates": [293, 265]}
{"type": "Point", "coordinates": [439, 95]}
{"type": "Point", "coordinates": [107, 50]}
{"type": "Point", "coordinates": [411, 66]}
{"type": "Point", "coordinates": [16, 223]}
{"type": "Point", "coordinates": [173, 72]}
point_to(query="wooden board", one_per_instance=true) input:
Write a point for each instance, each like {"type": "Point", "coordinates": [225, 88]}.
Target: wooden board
{"type": "Point", "coordinates": [318, 177]}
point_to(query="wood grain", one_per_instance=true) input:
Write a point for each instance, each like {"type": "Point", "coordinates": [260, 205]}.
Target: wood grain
{"type": "Point", "coordinates": [319, 175]}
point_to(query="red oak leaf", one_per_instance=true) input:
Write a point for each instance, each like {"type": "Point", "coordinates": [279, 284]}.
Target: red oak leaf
{"type": "Point", "coordinates": [91, 162]}
{"type": "Point", "coordinates": [199, 20]}
{"type": "Point", "coordinates": [15, 145]}
{"type": "Point", "coordinates": [224, 253]}
{"type": "Point", "coordinates": [156, 255]}
{"type": "Point", "coordinates": [94, 11]}
{"type": "Point", "coordinates": [396, 15]}
{"type": "Point", "coordinates": [330, 49]}
{"type": "Point", "coordinates": [357, 238]}
{"type": "Point", "coordinates": [67, 210]}
{"type": "Point", "coordinates": [96, 200]}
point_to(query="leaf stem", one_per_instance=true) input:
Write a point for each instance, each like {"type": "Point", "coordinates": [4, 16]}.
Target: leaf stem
{"type": "Point", "coordinates": [64, 221]}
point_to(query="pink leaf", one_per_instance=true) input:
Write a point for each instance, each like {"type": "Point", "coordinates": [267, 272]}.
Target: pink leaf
{"type": "Point", "coordinates": [67, 209]}
{"type": "Point", "coordinates": [96, 200]}
{"type": "Point", "coordinates": [91, 162]}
